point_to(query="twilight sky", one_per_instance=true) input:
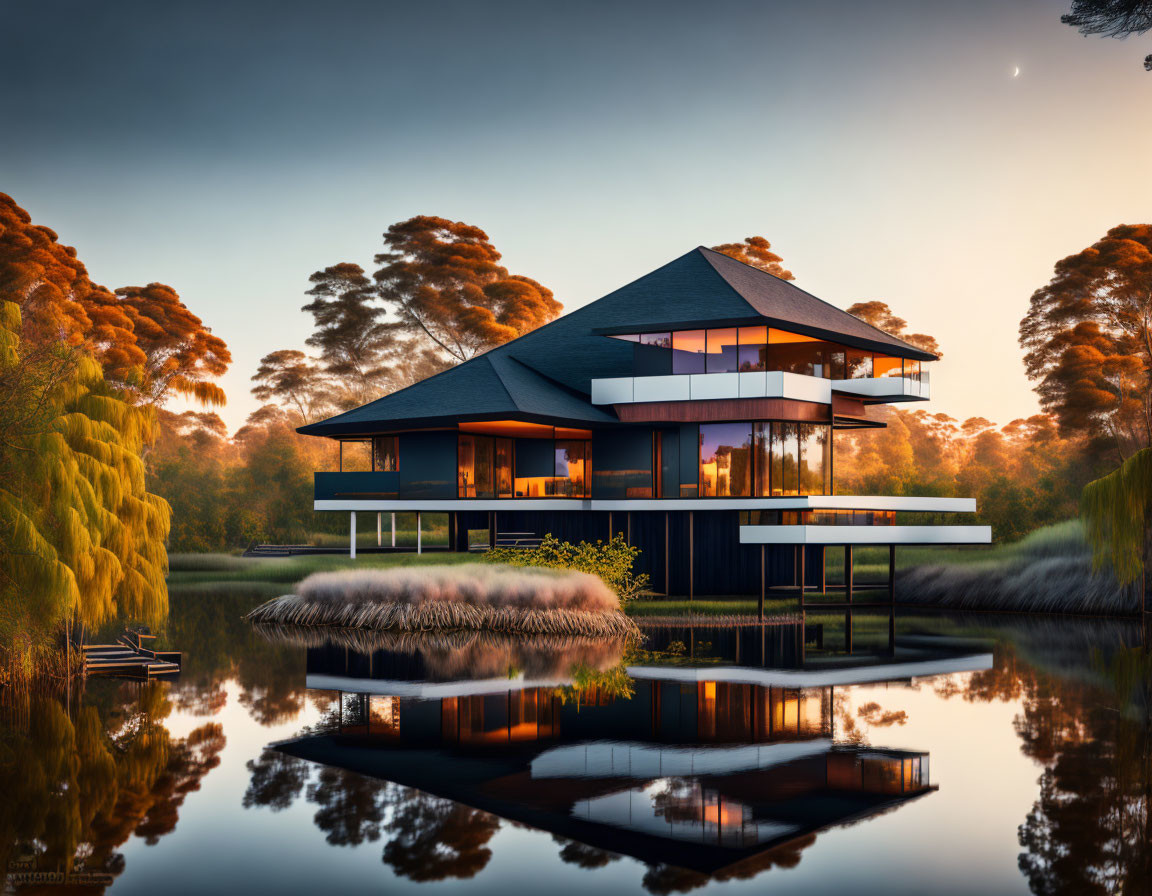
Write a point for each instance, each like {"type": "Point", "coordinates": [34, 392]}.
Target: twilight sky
{"type": "Point", "coordinates": [230, 149]}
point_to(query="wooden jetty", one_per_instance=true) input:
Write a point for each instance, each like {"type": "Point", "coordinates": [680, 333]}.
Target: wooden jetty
{"type": "Point", "coordinates": [129, 657]}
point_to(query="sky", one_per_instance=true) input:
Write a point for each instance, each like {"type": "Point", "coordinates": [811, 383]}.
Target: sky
{"type": "Point", "coordinates": [885, 149]}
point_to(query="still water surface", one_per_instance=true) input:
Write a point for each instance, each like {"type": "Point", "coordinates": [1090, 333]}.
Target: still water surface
{"type": "Point", "coordinates": [715, 759]}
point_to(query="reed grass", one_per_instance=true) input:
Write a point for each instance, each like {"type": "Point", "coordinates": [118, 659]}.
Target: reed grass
{"type": "Point", "coordinates": [450, 656]}
{"type": "Point", "coordinates": [443, 598]}
{"type": "Point", "coordinates": [1049, 571]}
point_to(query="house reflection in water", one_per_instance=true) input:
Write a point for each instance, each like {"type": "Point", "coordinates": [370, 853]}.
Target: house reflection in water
{"type": "Point", "coordinates": [699, 774]}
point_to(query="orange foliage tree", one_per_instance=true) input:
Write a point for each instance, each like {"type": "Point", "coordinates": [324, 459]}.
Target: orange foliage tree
{"type": "Point", "coordinates": [756, 251]}
{"type": "Point", "coordinates": [879, 315]}
{"type": "Point", "coordinates": [446, 282]}
{"type": "Point", "coordinates": [1088, 339]}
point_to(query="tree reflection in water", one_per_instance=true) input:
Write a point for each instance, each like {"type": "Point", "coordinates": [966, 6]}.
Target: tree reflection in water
{"type": "Point", "coordinates": [218, 645]}
{"type": "Point", "coordinates": [429, 838]}
{"type": "Point", "coordinates": [78, 783]}
{"type": "Point", "coordinates": [572, 852]}
{"type": "Point", "coordinates": [1090, 830]}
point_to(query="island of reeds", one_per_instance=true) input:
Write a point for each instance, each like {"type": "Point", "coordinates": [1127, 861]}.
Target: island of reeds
{"type": "Point", "coordinates": [471, 597]}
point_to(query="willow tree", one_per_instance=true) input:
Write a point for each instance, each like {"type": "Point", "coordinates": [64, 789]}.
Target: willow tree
{"type": "Point", "coordinates": [1117, 511]}
{"type": "Point", "coordinates": [81, 539]}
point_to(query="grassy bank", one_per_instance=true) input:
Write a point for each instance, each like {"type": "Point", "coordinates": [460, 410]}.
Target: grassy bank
{"type": "Point", "coordinates": [228, 572]}
{"type": "Point", "coordinates": [1049, 571]}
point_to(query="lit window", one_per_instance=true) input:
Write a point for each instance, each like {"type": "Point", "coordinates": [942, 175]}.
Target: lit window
{"type": "Point", "coordinates": [688, 351]}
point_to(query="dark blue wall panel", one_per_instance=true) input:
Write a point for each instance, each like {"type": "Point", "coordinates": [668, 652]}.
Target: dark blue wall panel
{"type": "Point", "coordinates": [621, 460]}
{"type": "Point", "coordinates": [536, 457]}
{"type": "Point", "coordinates": [427, 465]}
{"type": "Point", "coordinates": [689, 460]}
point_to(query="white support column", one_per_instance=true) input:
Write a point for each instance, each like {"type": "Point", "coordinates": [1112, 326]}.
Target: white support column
{"type": "Point", "coordinates": [352, 534]}
{"type": "Point", "coordinates": [393, 529]}
{"type": "Point", "coordinates": [419, 535]}
{"type": "Point", "coordinates": [379, 529]}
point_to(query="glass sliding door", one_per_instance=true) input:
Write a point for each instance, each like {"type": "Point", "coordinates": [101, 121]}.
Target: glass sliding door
{"type": "Point", "coordinates": [762, 467]}
{"type": "Point", "coordinates": [814, 463]}
{"type": "Point", "coordinates": [785, 459]}
{"type": "Point", "coordinates": [725, 460]}
{"type": "Point", "coordinates": [571, 469]}
{"type": "Point", "coordinates": [465, 467]}
{"type": "Point", "coordinates": [505, 475]}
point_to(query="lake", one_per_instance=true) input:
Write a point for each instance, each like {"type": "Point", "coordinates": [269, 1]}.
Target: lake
{"type": "Point", "coordinates": [962, 755]}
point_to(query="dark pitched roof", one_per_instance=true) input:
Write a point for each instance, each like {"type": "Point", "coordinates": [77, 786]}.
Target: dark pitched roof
{"type": "Point", "coordinates": [546, 374]}
{"type": "Point", "coordinates": [784, 301]}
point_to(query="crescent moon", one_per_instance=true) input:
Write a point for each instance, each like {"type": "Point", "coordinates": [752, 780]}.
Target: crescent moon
{"type": "Point", "coordinates": [1016, 73]}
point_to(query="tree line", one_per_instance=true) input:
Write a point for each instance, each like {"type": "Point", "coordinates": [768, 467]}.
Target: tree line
{"type": "Point", "coordinates": [99, 476]}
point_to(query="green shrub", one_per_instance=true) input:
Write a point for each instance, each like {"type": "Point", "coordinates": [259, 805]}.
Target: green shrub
{"type": "Point", "coordinates": [610, 560]}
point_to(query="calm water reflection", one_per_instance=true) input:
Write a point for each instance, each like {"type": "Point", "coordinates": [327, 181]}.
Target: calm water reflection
{"type": "Point", "coordinates": [745, 759]}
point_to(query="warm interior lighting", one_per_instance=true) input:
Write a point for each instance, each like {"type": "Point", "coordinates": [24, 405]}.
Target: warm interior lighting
{"type": "Point", "coordinates": [775, 337]}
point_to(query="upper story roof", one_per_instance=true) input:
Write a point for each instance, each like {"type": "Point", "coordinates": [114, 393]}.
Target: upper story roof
{"type": "Point", "coordinates": [545, 375]}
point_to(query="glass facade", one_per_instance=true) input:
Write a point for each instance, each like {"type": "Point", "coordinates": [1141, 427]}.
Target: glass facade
{"type": "Point", "coordinates": [483, 467]}
{"type": "Point", "coordinates": [732, 349]}
{"type": "Point", "coordinates": [765, 459]}
{"type": "Point", "coordinates": [688, 351]}
{"type": "Point", "coordinates": [486, 468]}
{"type": "Point", "coordinates": [385, 455]}
{"type": "Point", "coordinates": [818, 517]}
{"type": "Point", "coordinates": [726, 460]}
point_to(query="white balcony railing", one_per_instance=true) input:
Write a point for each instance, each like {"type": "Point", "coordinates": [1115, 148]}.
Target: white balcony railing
{"type": "Point", "coordinates": [758, 384]}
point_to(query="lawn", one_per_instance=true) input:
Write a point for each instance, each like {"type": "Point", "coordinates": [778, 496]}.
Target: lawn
{"type": "Point", "coordinates": [230, 571]}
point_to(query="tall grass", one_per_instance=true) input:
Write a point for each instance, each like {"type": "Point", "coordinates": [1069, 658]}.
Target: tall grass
{"type": "Point", "coordinates": [445, 598]}
{"type": "Point", "coordinates": [1049, 571]}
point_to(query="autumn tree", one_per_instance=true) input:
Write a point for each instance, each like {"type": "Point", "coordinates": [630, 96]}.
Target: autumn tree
{"type": "Point", "coordinates": [1111, 18]}
{"type": "Point", "coordinates": [289, 378]}
{"type": "Point", "coordinates": [358, 347]}
{"type": "Point", "coordinates": [181, 356]}
{"type": "Point", "coordinates": [1088, 342]}
{"type": "Point", "coordinates": [879, 315]}
{"type": "Point", "coordinates": [446, 282]}
{"type": "Point", "coordinates": [756, 251]}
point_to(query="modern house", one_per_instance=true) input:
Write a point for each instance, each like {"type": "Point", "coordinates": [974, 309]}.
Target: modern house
{"type": "Point", "coordinates": [693, 411]}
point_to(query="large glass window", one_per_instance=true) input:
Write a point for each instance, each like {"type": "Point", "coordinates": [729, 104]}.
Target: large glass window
{"type": "Point", "coordinates": [859, 364]}
{"type": "Point", "coordinates": [572, 468]}
{"type": "Point", "coordinates": [753, 348]}
{"type": "Point", "coordinates": [762, 468]}
{"type": "Point", "coordinates": [688, 351]}
{"type": "Point", "coordinates": [504, 472]}
{"type": "Point", "coordinates": [882, 365]}
{"type": "Point", "coordinates": [725, 460]}
{"type": "Point", "coordinates": [474, 473]}
{"type": "Point", "coordinates": [815, 454]}
{"type": "Point", "coordinates": [722, 354]}
{"type": "Point", "coordinates": [486, 468]}
{"type": "Point", "coordinates": [659, 340]}
{"type": "Point", "coordinates": [785, 450]}
{"type": "Point", "coordinates": [385, 457]}
{"type": "Point", "coordinates": [728, 349]}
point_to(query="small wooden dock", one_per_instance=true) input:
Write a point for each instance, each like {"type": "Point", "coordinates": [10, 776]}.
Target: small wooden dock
{"type": "Point", "coordinates": [130, 657]}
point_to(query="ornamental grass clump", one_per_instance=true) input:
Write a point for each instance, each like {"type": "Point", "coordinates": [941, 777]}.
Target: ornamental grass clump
{"type": "Point", "coordinates": [611, 560]}
{"type": "Point", "coordinates": [450, 598]}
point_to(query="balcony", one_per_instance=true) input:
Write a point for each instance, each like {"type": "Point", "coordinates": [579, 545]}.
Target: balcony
{"type": "Point", "coordinates": [886, 388]}
{"type": "Point", "coordinates": [758, 384]}
{"type": "Point", "coordinates": [356, 486]}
